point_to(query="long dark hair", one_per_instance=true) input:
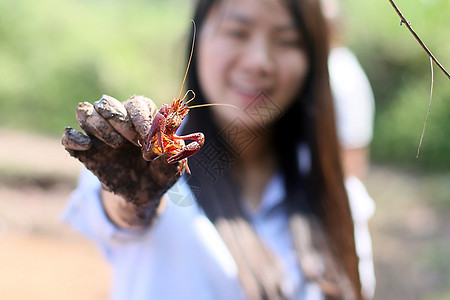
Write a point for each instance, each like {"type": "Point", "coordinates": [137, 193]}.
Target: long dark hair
{"type": "Point", "coordinates": [318, 196]}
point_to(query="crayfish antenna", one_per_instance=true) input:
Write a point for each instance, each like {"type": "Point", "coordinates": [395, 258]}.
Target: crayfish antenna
{"type": "Point", "coordinates": [214, 104]}
{"type": "Point", "coordinates": [189, 61]}
{"type": "Point", "coordinates": [185, 95]}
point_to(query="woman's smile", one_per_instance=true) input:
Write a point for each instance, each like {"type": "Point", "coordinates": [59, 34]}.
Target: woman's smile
{"type": "Point", "coordinates": [247, 91]}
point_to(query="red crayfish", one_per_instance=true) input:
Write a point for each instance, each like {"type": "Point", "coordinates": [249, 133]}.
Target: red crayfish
{"type": "Point", "coordinates": [162, 137]}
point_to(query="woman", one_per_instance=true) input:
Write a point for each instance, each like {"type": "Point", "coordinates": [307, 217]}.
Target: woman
{"type": "Point", "coordinates": [271, 218]}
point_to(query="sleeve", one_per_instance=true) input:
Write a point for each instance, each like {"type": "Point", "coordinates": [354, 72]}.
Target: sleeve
{"type": "Point", "coordinates": [353, 99]}
{"type": "Point", "coordinates": [84, 212]}
{"type": "Point", "coordinates": [362, 208]}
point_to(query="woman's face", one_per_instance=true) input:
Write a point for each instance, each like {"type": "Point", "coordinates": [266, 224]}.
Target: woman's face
{"type": "Point", "coordinates": [252, 56]}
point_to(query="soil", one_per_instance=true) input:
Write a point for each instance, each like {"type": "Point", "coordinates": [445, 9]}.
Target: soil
{"type": "Point", "coordinates": [41, 258]}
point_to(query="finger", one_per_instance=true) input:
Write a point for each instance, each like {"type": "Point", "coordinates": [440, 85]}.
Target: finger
{"type": "Point", "coordinates": [91, 122]}
{"type": "Point", "coordinates": [75, 140]}
{"type": "Point", "coordinates": [115, 113]}
{"type": "Point", "coordinates": [141, 111]}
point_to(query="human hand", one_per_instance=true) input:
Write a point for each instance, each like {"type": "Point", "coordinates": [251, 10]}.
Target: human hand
{"type": "Point", "coordinates": [112, 150]}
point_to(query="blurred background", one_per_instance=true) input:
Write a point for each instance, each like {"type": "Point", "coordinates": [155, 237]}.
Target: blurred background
{"type": "Point", "coordinates": [56, 53]}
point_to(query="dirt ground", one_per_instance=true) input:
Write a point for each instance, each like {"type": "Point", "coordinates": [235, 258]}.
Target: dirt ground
{"type": "Point", "coordinates": [40, 258]}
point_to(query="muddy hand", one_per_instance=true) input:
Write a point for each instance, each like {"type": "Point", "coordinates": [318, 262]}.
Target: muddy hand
{"type": "Point", "coordinates": [111, 148]}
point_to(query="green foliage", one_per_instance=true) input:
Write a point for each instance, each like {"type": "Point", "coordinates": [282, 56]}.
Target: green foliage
{"type": "Point", "coordinates": [399, 71]}
{"type": "Point", "coordinates": [398, 128]}
{"type": "Point", "coordinates": [56, 53]}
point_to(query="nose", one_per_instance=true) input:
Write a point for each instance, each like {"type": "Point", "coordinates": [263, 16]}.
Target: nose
{"type": "Point", "coordinates": [258, 58]}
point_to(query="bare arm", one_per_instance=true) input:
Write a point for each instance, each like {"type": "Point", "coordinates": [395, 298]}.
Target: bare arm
{"type": "Point", "coordinates": [355, 161]}
{"type": "Point", "coordinates": [125, 214]}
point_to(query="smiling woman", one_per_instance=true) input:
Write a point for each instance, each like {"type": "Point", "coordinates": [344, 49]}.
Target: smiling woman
{"type": "Point", "coordinates": [269, 216]}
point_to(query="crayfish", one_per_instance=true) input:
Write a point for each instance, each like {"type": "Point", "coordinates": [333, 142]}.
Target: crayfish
{"type": "Point", "coordinates": [162, 137]}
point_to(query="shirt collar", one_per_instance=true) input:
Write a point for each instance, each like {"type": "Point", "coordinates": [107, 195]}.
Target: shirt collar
{"type": "Point", "coordinates": [273, 195]}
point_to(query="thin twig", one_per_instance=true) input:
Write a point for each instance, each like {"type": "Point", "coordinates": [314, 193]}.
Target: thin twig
{"type": "Point", "coordinates": [429, 109]}
{"type": "Point", "coordinates": [404, 21]}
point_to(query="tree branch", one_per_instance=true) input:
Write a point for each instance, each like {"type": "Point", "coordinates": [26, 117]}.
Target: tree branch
{"type": "Point", "coordinates": [404, 21]}
{"type": "Point", "coordinates": [429, 109]}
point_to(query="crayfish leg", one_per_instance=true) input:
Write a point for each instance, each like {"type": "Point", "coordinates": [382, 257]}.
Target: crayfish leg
{"type": "Point", "coordinates": [184, 166]}
{"type": "Point", "coordinates": [187, 167]}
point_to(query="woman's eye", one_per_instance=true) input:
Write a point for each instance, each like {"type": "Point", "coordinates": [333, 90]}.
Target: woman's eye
{"type": "Point", "coordinates": [289, 42]}
{"type": "Point", "coordinates": [236, 33]}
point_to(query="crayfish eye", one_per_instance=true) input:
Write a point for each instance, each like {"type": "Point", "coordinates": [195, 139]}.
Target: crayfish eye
{"type": "Point", "coordinates": [164, 110]}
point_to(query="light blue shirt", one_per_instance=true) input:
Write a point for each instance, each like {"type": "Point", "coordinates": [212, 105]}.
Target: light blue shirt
{"type": "Point", "coordinates": [183, 256]}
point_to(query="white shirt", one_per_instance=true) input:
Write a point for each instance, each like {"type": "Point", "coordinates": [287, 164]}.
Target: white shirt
{"type": "Point", "coordinates": [182, 256]}
{"type": "Point", "coordinates": [353, 99]}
